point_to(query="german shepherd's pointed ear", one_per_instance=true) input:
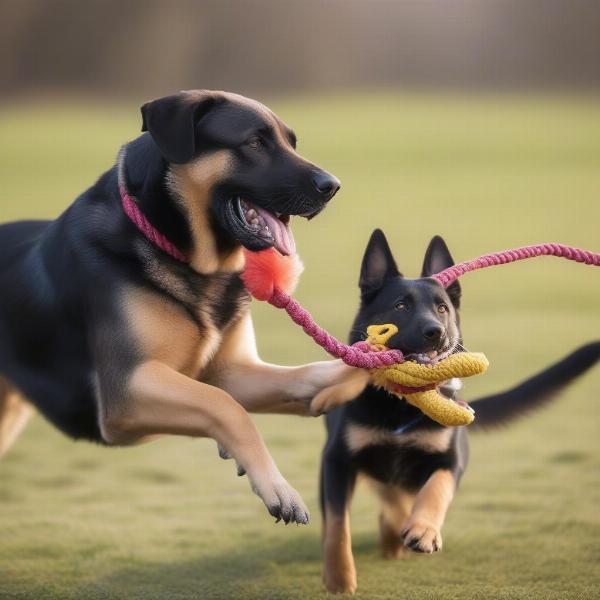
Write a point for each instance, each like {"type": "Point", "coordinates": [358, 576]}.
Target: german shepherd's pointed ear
{"type": "Point", "coordinates": [172, 122]}
{"type": "Point", "coordinates": [378, 264]}
{"type": "Point", "coordinates": [437, 258]}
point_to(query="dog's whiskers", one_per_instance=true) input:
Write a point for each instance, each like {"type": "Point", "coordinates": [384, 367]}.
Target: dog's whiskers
{"type": "Point", "coordinates": [459, 346]}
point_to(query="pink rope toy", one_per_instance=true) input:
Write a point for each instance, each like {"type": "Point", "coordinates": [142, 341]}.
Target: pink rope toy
{"type": "Point", "coordinates": [451, 274]}
{"type": "Point", "coordinates": [271, 277]}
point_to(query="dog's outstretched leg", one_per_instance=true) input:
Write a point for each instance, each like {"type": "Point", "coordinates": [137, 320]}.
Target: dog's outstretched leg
{"type": "Point", "coordinates": [160, 400]}
{"type": "Point", "coordinates": [14, 414]}
{"type": "Point", "coordinates": [262, 387]}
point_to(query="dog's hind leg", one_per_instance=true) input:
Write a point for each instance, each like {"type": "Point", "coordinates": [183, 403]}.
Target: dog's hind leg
{"type": "Point", "coordinates": [14, 414]}
{"type": "Point", "coordinates": [396, 506]}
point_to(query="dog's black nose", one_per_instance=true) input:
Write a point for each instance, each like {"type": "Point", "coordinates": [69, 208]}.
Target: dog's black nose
{"type": "Point", "coordinates": [327, 185]}
{"type": "Point", "coordinates": [433, 333]}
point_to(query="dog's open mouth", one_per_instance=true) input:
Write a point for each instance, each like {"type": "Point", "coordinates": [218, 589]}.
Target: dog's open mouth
{"type": "Point", "coordinates": [273, 229]}
{"type": "Point", "coordinates": [433, 358]}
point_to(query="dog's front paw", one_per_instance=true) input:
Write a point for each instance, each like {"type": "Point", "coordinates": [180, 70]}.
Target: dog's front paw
{"type": "Point", "coordinates": [310, 379]}
{"type": "Point", "coordinates": [421, 536]}
{"type": "Point", "coordinates": [333, 396]}
{"type": "Point", "coordinates": [325, 401]}
{"type": "Point", "coordinates": [282, 501]}
{"type": "Point", "coordinates": [340, 583]}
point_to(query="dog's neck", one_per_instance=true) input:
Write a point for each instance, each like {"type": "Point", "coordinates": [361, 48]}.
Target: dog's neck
{"type": "Point", "coordinates": [157, 196]}
{"type": "Point", "coordinates": [142, 172]}
{"type": "Point", "coordinates": [213, 248]}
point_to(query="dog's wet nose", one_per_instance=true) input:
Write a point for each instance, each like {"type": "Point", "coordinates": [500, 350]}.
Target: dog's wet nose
{"type": "Point", "coordinates": [433, 333]}
{"type": "Point", "coordinates": [327, 185]}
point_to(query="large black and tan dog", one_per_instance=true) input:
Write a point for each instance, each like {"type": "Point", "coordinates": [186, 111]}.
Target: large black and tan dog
{"type": "Point", "coordinates": [414, 463]}
{"type": "Point", "coordinates": [115, 341]}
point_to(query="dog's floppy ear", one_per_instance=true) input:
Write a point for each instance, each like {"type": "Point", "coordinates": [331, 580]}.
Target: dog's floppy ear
{"type": "Point", "coordinates": [378, 264]}
{"type": "Point", "coordinates": [172, 122]}
{"type": "Point", "coordinates": [438, 258]}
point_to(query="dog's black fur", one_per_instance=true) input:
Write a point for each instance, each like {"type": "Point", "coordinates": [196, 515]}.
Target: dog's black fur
{"type": "Point", "coordinates": [427, 319]}
{"type": "Point", "coordinates": [62, 330]}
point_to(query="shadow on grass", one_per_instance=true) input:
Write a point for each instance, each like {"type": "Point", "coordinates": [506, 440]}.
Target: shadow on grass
{"type": "Point", "coordinates": [252, 570]}
{"type": "Point", "coordinates": [286, 569]}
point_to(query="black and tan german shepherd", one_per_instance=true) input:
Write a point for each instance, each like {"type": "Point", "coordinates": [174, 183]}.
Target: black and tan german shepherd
{"type": "Point", "coordinates": [113, 340]}
{"type": "Point", "coordinates": [414, 463]}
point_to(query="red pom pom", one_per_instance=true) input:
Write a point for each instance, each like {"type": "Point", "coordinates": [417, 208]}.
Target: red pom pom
{"type": "Point", "coordinates": [267, 270]}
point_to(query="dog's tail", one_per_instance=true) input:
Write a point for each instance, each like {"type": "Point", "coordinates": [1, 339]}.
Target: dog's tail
{"type": "Point", "coordinates": [537, 391]}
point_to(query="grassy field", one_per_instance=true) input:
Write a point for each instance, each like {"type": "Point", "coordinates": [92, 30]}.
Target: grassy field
{"type": "Point", "coordinates": [170, 520]}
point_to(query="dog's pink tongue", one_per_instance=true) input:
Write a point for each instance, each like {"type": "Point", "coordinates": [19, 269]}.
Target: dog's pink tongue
{"type": "Point", "coordinates": [281, 232]}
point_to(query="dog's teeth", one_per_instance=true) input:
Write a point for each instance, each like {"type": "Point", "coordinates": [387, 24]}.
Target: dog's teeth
{"type": "Point", "coordinates": [254, 221]}
{"type": "Point", "coordinates": [252, 214]}
{"type": "Point", "coordinates": [265, 232]}
{"type": "Point", "coordinates": [432, 354]}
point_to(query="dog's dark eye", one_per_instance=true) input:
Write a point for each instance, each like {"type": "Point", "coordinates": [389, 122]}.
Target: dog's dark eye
{"type": "Point", "coordinates": [254, 142]}
{"type": "Point", "coordinates": [443, 308]}
{"type": "Point", "coordinates": [401, 306]}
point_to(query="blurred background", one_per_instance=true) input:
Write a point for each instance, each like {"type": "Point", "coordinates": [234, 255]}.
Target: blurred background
{"type": "Point", "coordinates": [478, 120]}
{"type": "Point", "coordinates": [152, 47]}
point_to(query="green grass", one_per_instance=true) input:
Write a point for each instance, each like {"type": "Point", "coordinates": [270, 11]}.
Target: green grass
{"type": "Point", "coordinates": [170, 520]}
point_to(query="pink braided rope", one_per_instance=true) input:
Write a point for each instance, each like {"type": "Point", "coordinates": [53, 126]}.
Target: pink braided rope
{"type": "Point", "coordinates": [362, 355]}
{"type": "Point", "coordinates": [357, 355]}
{"type": "Point", "coordinates": [138, 218]}
{"type": "Point", "coordinates": [451, 274]}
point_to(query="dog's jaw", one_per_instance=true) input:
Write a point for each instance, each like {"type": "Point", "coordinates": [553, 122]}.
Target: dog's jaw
{"type": "Point", "coordinates": [271, 227]}
{"type": "Point", "coordinates": [254, 228]}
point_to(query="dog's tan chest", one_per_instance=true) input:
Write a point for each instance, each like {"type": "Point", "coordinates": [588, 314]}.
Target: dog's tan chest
{"type": "Point", "coordinates": [359, 437]}
{"type": "Point", "coordinates": [164, 330]}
